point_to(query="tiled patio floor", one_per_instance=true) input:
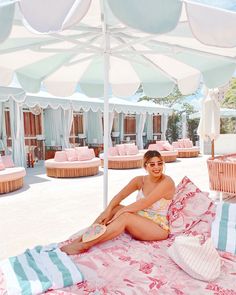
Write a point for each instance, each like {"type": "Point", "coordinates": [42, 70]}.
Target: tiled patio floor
{"type": "Point", "coordinates": [49, 210]}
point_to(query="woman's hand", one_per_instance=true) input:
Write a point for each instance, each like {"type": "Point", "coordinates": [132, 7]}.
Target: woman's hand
{"type": "Point", "coordinates": [118, 213]}
{"type": "Point", "coordinates": [104, 217]}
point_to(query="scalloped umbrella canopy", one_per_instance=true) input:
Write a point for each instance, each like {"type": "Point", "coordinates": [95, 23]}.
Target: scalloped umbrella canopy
{"type": "Point", "coordinates": [112, 46]}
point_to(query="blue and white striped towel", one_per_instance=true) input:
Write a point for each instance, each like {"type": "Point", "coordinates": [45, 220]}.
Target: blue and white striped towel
{"type": "Point", "coordinates": [38, 269]}
{"type": "Point", "coordinates": [223, 231]}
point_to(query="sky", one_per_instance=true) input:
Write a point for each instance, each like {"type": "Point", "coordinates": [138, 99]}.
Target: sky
{"type": "Point", "coordinates": [225, 4]}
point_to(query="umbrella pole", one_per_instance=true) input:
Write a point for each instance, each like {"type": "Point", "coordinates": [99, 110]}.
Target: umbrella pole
{"type": "Point", "coordinates": [213, 149]}
{"type": "Point", "coordinates": [106, 113]}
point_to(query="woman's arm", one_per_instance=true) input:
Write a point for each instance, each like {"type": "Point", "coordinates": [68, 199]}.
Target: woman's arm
{"type": "Point", "coordinates": [132, 186]}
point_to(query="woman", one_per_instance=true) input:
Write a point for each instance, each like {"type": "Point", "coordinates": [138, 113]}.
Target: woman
{"type": "Point", "coordinates": [144, 219]}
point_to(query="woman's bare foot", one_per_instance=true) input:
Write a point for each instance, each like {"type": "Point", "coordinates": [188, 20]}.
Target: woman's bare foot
{"type": "Point", "coordinates": [74, 248]}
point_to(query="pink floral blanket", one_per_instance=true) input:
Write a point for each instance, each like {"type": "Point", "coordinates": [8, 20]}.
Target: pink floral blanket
{"type": "Point", "coordinates": [126, 266]}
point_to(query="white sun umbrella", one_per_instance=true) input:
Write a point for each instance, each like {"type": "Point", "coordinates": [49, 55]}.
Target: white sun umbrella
{"type": "Point", "coordinates": [209, 125]}
{"type": "Point", "coordinates": [114, 47]}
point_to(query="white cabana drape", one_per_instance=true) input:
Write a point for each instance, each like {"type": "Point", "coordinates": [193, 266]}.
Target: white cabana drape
{"type": "Point", "coordinates": [53, 130]}
{"type": "Point", "coordinates": [67, 120]}
{"type": "Point", "coordinates": [209, 125]}
{"type": "Point", "coordinates": [149, 127]}
{"type": "Point", "coordinates": [164, 123]}
{"type": "Point", "coordinates": [184, 125]}
{"type": "Point", "coordinates": [17, 133]}
{"type": "Point", "coordinates": [121, 126]}
{"type": "Point", "coordinates": [2, 120]}
{"type": "Point", "coordinates": [140, 122]}
{"type": "Point", "coordinates": [111, 119]}
{"type": "Point", "coordinates": [95, 130]}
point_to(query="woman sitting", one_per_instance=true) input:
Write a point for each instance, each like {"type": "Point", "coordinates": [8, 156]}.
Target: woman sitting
{"type": "Point", "coordinates": [145, 219]}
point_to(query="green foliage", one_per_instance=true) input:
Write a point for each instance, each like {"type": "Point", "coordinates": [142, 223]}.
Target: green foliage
{"type": "Point", "coordinates": [173, 127]}
{"type": "Point", "coordinates": [230, 96]}
{"type": "Point", "coordinates": [227, 125]}
{"type": "Point", "coordinates": [173, 132]}
{"type": "Point", "coordinates": [192, 129]}
{"type": "Point", "coordinates": [175, 97]}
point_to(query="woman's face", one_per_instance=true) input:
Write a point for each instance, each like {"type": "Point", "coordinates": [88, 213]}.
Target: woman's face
{"type": "Point", "coordinates": [154, 166]}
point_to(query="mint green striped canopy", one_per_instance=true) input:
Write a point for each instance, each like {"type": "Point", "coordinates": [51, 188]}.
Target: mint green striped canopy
{"type": "Point", "coordinates": [58, 45]}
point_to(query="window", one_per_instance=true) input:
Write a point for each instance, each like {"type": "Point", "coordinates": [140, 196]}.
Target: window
{"type": "Point", "coordinates": [156, 124]}
{"type": "Point", "coordinates": [76, 128]}
{"type": "Point", "coordinates": [130, 126]}
{"type": "Point", "coordinates": [32, 127]}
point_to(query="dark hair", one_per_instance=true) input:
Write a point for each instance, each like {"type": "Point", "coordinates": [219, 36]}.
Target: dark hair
{"type": "Point", "coordinates": [150, 154]}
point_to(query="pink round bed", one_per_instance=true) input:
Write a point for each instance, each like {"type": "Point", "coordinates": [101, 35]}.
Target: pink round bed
{"type": "Point", "coordinates": [185, 148]}
{"type": "Point", "coordinates": [124, 156]}
{"type": "Point", "coordinates": [11, 179]}
{"type": "Point", "coordinates": [168, 153]}
{"type": "Point", "coordinates": [76, 162]}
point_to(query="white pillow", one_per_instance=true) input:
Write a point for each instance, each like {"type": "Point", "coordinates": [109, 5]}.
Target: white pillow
{"type": "Point", "coordinates": [200, 261]}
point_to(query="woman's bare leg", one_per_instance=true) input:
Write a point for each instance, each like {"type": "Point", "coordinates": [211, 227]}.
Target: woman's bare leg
{"type": "Point", "coordinates": [139, 227]}
{"type": "Point", "coordinates": [114, 210]}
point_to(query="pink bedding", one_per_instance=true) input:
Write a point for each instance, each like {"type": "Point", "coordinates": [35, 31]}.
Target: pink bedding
{"type": "Point", "coordinates": [126, 266]}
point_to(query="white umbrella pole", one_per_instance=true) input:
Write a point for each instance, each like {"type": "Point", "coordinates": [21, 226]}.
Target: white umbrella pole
{"type": "Point", "coordinates": [106, 128]}
{"type": "Point", "coordinates": [106, 114]}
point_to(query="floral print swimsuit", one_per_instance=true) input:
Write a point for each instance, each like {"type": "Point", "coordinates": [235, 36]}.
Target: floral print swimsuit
{"type": "Point", "coordinates": [157, 212]}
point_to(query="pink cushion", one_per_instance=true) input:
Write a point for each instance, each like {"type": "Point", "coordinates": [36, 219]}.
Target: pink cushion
{"type": "Point", "coordinates": [11, 174]}
{"type": "Point", "coordinates": [7, 161]}
{"type": "Point", "coordinates": [160, 145]}
{"type": "Point", "coordinates": [139, 156]}
{"type": "Point", "coordinates": [131, 149]}
{"type": "Point", "coordinates": [113, 151]}
{"type": "Point", "coordinates": [181, 143]}
{"type": "Point", "coordinates": [92, 153]}
{"type": "Point", "coordinates": [175, 144]}
{"type": "Point", "coordinates": [60, 156]}
{"type": "Point", "coordinates": [81, 148]}
{"type": "Point", "coordinates": [168, 147]}
{"type": "Point", "coordinates": [187, 143]}
{"type": "Point", "coordinates": [188, 207]}
{"type": "Point", "coordinates": [85, 155]}
{"type": "Point", "coordinates": [2, 167]}
{"type": "Point", "coordinates": [121, 149]}
{"type": "Point", "coordinates": [71, 155]}
{"type": "Point", "coordinates": [51, 163]}
{"type": "Point", "coordinates": [152, 147]}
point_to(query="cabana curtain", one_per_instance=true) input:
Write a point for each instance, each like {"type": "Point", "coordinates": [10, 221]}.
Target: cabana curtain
{"type": "Point", "coordinates": [140, 128]}
{"type": "Point", "coordinates": [17, 133]}
{"type": "Point", "coordinates": [149, 126]}
{"type": "Point", "coordinates": [67, 120]}
{"type": "Point", "coordinates": [164, 124]}
{"type": "Point", "coordinates": [53, 130]}
{"type": "Point", "coordinates": [95, 130]}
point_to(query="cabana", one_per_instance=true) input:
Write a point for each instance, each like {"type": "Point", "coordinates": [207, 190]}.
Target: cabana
{"type": "Point", "coordinates": [76, 120]}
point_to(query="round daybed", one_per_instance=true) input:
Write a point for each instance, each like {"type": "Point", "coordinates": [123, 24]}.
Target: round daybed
{"type": "Point", "coordinates": [124, 162]}
{"type": "Point", "coordinates": [11, 179]}
{"type": "Point", "coordinates": [72, 168]}
{"type": "Point", "coordinates": [168, 156]}
{"type": "Point", "coordinates": [191, 152]}
{"type": "Point", "coordinates": [185, 148]}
